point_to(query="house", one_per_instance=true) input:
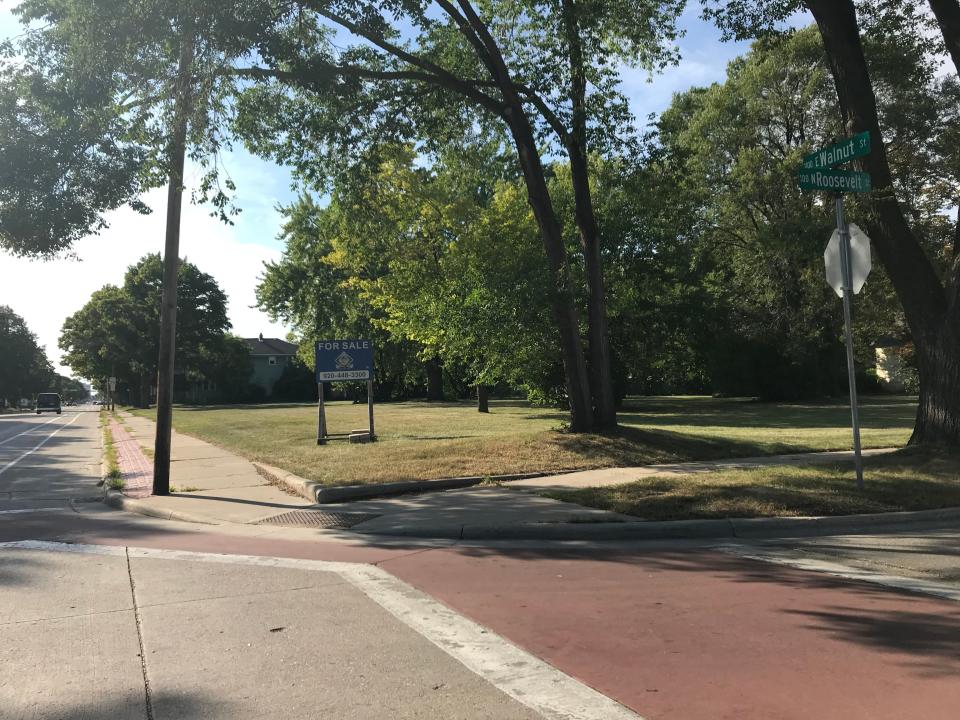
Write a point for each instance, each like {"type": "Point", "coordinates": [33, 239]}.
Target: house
{"type": "Point", "coordinates": [269, 357]}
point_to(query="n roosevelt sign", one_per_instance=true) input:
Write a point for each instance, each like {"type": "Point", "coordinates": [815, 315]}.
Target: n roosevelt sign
{"type": "Point", "coordinates": [344, 360]}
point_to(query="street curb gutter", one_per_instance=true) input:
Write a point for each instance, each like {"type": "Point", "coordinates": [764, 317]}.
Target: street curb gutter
{"type": "Point", "coordinates": [322, 494]}
{"type": "Point", "coordinates": [116, 499]}
{"type": "Point", "coordinates": [676, 529]}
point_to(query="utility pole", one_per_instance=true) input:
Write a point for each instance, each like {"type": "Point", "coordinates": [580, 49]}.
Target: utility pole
{"type": "Point", "coordinates": [171, 264]}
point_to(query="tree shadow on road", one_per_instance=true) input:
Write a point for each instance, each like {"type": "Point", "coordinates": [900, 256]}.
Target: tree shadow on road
{"type": "Point", "coordinates": [922, 632]}
{"type": "Point", "coordinates": [930, 642]}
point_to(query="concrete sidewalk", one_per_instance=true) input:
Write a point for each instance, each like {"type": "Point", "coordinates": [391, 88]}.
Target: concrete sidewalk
{"type": "Point", "coordinates": [115, 633]}
{"type": "Point", "coordinates": [213, 485]}
{"type": "Point", "coordinates": [620, 475]}
{"type": "Point", "coordinates": [207, 483]}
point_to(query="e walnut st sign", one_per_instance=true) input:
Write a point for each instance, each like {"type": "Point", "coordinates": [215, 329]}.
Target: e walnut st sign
{"type": "Point", "coordinates": [840, 152]}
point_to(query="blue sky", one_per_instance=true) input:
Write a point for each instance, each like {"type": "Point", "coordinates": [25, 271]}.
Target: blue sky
{"type": "Point", "coordinates": [234, 254]}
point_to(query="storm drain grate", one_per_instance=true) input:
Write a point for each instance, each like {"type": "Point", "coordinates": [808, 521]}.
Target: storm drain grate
{"type": "Point", "coordinates": [318, 519]}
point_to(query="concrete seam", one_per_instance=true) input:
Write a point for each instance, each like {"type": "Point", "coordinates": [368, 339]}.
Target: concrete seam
{"type": "Point", "coordinates": [380, 563]}
{"type": "Point", "coordinates": [55, 618]}
{"type": "Point", "coordinates": [148, 700]}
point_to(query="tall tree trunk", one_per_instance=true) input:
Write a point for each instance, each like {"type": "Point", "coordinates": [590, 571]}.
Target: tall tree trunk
{"type": "Point", "coordinates": [601, 376]}
{"type": "Point", "coordinates": [434, 380]}
{"type": "Point", "coordinates": [561, 296]}
{"type": "Point", "coordinates": [483, 398]}
{"type": "Point", "coordinates": [933, 318]}
{"type": "Point", "coordinates": [947, 13]}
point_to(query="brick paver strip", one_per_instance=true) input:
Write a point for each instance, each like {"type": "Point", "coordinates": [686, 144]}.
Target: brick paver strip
{"type": "Point", "coordinates": [135, 466]}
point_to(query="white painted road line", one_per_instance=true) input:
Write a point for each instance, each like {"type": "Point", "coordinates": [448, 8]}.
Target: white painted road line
{"type": "Point", "coordinates": [515, 672]}
{"type": "Point", "coordinates": [32, 510]}
{"type": "Point", "coordinates": [29, 430]}
{"type": "Point", "coordinates": [37, 446]}
{"type": "Point", "coordinates": [898, 582]}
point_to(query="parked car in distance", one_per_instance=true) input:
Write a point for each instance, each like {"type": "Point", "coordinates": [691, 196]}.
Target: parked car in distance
{"type": "Point", "coordinates": [48, 402]}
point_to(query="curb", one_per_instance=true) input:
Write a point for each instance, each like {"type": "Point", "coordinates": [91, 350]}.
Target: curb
{"type": "Point", "coordinates": [116, 499]}
{"type": "Point", "coordinates": [322, 494]}
{"type": "Point", "coordinates": [675, 529]}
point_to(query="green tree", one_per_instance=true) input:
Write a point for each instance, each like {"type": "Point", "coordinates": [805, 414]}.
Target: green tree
{"type": "Point", "coordinates": [100, 340]}
{"type": "Point", "coordinates": [444, 260]}
{"type": "Point", "coordinates": [926, 290]}
{"type": "Point", "coordinates": [538, 71]}
{"type": "Point", "coordinates": [225, 361]}
{"type": "Point", "coordinates": [78, 141]}
{"type": "Point", "coordinates": [319, 300]}
{"type": "Point", "coordinates": [70, 390]}
{"type": "Point", "coordinates": [436, 74]}
{"type": "Point", "coordinates": [123, 131]}
{"type": "Point", "coordinates": [117, 332]}
{"type": "Point", "coordinates": [24, 367]}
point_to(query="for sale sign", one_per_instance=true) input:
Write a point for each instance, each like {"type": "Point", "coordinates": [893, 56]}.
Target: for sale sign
{"type": "Point", "coordinates": [344, 360]}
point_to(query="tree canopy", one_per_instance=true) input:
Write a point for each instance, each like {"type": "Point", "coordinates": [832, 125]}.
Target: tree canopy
{"type": "Point", "coordinates": [117, 332]}
{"type": "Point", "coordinates": [24, 367]}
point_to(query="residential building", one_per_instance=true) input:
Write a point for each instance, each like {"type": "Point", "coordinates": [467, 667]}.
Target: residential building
{"type": "Point", "coordinates": [269, 357]}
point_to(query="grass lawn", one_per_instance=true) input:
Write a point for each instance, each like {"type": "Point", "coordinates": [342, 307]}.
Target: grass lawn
{"type": "Point", "coordinates": [419, 440]}
{"type": "Point", "coordinates": [906, 480]}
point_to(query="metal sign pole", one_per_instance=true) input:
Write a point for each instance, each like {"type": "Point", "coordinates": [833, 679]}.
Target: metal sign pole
{"type": "Point", "coordinates": [370, 407]}
{"type": "Point", "coordinates": [321, 417]}
{"type": "Point", "coordinates": [845, 269]}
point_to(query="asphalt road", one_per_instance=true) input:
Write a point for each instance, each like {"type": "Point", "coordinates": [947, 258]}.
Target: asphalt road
{"type": "Point", "coordinates": [49, 460]}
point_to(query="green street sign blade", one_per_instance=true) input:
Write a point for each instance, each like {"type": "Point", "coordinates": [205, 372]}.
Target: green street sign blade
{"type": "Point", "coordinates": [839, 153]}
{"type": "Point", "coordinates": [834, 180]}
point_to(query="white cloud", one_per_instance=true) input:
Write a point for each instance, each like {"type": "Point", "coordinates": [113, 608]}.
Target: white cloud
{"type": "Point", "coordinates": [44, 293]}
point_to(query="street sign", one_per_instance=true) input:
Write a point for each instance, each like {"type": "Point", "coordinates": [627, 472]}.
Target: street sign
{"type": "Point", "coordinates": [344, 360]}
{"type": "Point", "coordinates": [834, 180]}
{"type": "Point", "coordinates": [860, 260]}
{"type": "Point", "coordinates": [113, 384]}
{"type": "Point", "coordinates": [847, 256]}
{"type": "Point", "coordinates": [839, 153]}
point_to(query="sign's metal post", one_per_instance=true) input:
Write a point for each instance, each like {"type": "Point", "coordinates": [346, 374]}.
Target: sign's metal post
{"type": "Point", "coordinates": [845, 267]}
{"type": "Point", "coordinates": [321, 417]}
{"type": "Point", "coordinates": [370, 408]}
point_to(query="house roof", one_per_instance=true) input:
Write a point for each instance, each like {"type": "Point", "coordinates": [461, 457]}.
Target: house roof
{"type": "Point", "coordinates": [270, 346]}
